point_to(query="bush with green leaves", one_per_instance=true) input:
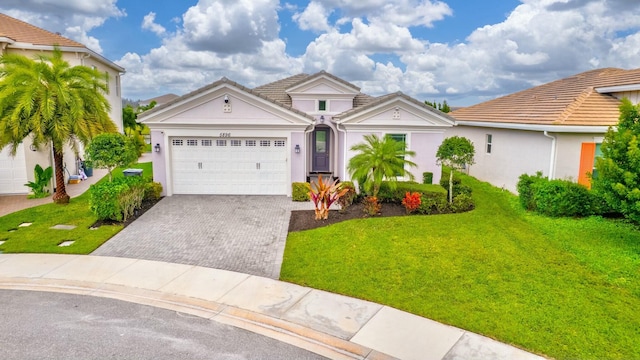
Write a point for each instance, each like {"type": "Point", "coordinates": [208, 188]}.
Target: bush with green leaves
{"type": "Point", "coordinates": [117, 200]}
{"type": "Point", "coordinates": [152, 190]}
{"type": "Point", "coordinates": [349, 196]}
{"type": "Point", "coordinates": [396, 194]}
{"type": "Point", "coordinates": [42, 178]}
{"type": "Point", "coordinates": [462, 203]}
{"type": "Point", "coordinates": [110, 150]}
{"type": "Point", "coordinates": [427, 177]}
{"type": "Point", "coordinates": [458, 188]}
{"type": "Point", "coordinates": [558, 198]}
{"type": "Point", "coordinates": [455, 152]}
{"type": "Point", "coordinates": [300, 191]}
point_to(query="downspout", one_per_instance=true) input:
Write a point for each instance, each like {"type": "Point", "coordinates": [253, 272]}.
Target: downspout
{"type": "Point", "coordinates": [344, 152]}
{"type": "Point", "coordinates": [552, 158]}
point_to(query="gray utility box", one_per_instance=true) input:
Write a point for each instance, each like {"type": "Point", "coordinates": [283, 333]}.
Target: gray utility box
{"type": "Point", "coordinates": [132, 172]}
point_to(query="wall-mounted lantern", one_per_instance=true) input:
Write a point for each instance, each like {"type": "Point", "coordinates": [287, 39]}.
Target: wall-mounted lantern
{"type": "Point", "coordinates": [157, 148]}
{"type": "Point", "coordinates": [297, 148]}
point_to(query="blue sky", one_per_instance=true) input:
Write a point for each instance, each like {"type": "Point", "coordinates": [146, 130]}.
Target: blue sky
{"type": "Point", "coordinates": [460, 51]}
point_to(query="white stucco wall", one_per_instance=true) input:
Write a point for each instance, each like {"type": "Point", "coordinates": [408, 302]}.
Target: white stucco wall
{"type": "Point", "coordinates": [426, 146]}
{"type": "Point", "coordinates": [298, 172]}
{"type": "Point", "coordinates": [159, 159]}
{"type": "Point", "coordinates": [513, 153]}
{"type": "Point", "coordinates": [568, 154]}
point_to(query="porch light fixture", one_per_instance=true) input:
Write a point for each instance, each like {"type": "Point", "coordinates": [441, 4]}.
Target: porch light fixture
{"type": "Point", "coordinates": [157, 148]}
{"type": "Point", "coordinates": [297, 148]}
{"type": "Point", "coordinates": [33, 147]}
{"type": "Point", "coordinates": [321, 119]}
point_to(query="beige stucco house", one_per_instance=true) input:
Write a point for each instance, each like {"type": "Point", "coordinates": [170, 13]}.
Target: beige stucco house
{"type": "Point", "coordinates": [225, 138]}
{"type": "Point", "coordinates": [555, 128]}
{"type": "Point", "coordinates": [22, 38]}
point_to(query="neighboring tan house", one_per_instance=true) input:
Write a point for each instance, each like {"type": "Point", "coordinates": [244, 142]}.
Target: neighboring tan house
{"type": "Point", "coordinates": [18, 37]}
{"type": "Point", "coordinates": [225, 138]}
{"type": "Point", "coordinates": [555, 128]}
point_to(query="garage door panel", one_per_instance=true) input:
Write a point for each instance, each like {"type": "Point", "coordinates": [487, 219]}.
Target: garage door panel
{"type": "Point", "coordinates": [229, 166]}
{"type": "Point", "coordinates": [13, 171]}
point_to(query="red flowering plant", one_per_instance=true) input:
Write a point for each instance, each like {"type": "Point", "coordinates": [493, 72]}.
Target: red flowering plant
{"type": "Point", "coordinates": [411, 201]}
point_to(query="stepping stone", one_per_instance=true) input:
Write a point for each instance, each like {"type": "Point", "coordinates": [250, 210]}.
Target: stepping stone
{"type": "Point", "coordinates": [66, 243]}
{"type": "Point", "coordinates": [2, 242]}
{"type": "Point", "coordinates": [25, 224]}
{"type": "Point", "coordinates": [63, 227]}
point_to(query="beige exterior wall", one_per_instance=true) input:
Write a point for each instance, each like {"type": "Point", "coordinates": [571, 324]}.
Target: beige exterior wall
{"type": "Point", "coordinates": [513, 153]}
{"type": "Point", "coordinates": [633, 96]}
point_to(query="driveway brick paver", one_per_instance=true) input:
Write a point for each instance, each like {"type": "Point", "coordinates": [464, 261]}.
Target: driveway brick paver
{"type": "Point", "coordinates": [238, 233]}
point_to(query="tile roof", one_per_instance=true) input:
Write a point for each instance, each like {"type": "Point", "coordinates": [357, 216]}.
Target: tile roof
{"type": "Point", "coordinates": [568, 101]}
{"type": "Point", "coordinates": [277, 90]}
{"type": "Point", "coordinates": [224, 80]}
{"type": "Point", "coordinates": [20, 31]}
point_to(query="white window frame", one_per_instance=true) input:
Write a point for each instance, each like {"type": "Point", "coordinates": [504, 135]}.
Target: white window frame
{"type": "Point", "coordinates": [326, 105]}
{"type": "Point", "coordinates": [488, 143]}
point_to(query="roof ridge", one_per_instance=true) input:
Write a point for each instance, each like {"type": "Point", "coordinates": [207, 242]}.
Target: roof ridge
{"type": "Point", "coordinates": [574, 105]}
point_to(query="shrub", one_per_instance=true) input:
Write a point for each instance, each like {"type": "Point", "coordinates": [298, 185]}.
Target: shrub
{"type": "Point", "coordinates": [152, 191]}
{"type": "Point", "coordinates": [427, 178]}
{"type": "Point", "coordinates": [300, 191]}
{"type": "Point", "coordinates": [433, 203]}
{"type": "Point", "coordinates": [411, 201]}
{"type": "Point", "coordinates": [562, 198]}
{"type": "Point", "coordinates": [371, 205]}
{"type": "Point", "coordinates": [42, 179]}
{"type": "Point", "coordinates": [347, 199]}
{"type": "Point", "coordinates": [526, 189]}
{"type": "Point", "coordinates": [117, 200]}
{"type": "Point", "coordinates": [462, 203]}
{"type": "Point", "coordinates": [396, 195]}
{"type": "Point", "coordinates": [458, 188]}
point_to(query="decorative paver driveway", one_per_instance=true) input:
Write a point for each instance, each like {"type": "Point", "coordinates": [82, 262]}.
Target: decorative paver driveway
{"type": "Point", "coordinates": [239, 233]}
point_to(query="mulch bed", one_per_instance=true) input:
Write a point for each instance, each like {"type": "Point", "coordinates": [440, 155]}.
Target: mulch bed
{"type": "Point", "coordinates": [146, 205]}
{"type": "Point", "coordinates": [305, 219]}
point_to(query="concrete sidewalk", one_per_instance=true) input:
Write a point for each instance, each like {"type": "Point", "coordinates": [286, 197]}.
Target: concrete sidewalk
{"type": "Point", "coordinates": [331, 325]}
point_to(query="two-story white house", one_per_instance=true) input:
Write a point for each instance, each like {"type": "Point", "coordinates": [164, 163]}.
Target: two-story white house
{"type": "Point", "coordinates": [18, 37]}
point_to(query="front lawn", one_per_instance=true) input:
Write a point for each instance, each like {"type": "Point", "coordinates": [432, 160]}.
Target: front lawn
{"type": "Point", "coordinates": [565, 288]}
{"type": "Point", "coordinates": [39, 238]}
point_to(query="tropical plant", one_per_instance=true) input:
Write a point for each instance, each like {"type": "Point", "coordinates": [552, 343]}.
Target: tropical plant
{"type": "Point", "coordinates": [42, 178]}
{"type": "Point", "coordinates": [52, 102]}
{"type": "Point", "coordinates": [371, 205]}
{"type": "Point", "coordinates": [618, 170]}
{"type": "Point", "coordinates": [109, 151]}
{"type": "Point", "coordinates": [455, 152]}
{"type": "Point", "coordinates": [411, 201]}
{"type": "Point", "coordinates": [379, 159]}
{"type": "Point", "coordinates": [323, 194]}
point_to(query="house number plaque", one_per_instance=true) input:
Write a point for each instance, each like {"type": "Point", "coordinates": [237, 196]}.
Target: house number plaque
{"type": "Point", "coordinates": [225, 135]}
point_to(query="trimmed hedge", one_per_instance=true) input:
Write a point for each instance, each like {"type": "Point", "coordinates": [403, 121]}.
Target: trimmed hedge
{"type": "Point", "coordinates": [558, 198]}
{"type": "Point", "coordinates": [433, 198]}
{"type": "Point", "coordinates": [300, 191]}
{"type": "Point", "coordinates": [427, 178]}
{"type": "Point", "coordinates": [118, 199]}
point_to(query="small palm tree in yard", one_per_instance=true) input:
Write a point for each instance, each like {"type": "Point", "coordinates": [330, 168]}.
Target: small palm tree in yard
{"type": "Point", "coordinates": [379, 159]}
{"type": "Point", "coordinates": [53, 102]}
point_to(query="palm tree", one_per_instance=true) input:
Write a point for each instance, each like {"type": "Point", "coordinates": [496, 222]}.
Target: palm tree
{"type": "Point", "coordinates": [53, 102]}
{"type": "Point", "coordinates": [379, 159]}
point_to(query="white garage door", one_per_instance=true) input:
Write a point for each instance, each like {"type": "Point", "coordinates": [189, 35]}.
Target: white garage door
{"type": "Point", "coordinates": [229, 166]}
{"type": "Point", "coordinates": [13, 172]}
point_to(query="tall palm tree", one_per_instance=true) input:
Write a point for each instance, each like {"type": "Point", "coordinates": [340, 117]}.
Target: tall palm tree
{"type": "Point", "coordinates": [379, 159]}
{"type": "Point", "coordinates": [53, 102]}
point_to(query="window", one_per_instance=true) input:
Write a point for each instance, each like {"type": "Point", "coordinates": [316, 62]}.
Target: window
{"type": "Point", "coordinates": [177, 142]}
{"type": "Point", "coordinates": [250, 143]}
{"type": "Point", "coordinates": [206, 142]}
{"type": "Point", "coordinates": [236, 142]}
{"type": "Point", "coordinates": [279, 143]}
{"type": "Point", "coordinates": [192, 142]}
{"type": "Point", "coordinates": [401, 138]}
{"type": "Point", "coordinates": [265, 142]}
{"type": "Point", "coordinates": [221, 142]}
{"type": "Point", "coordinates": [598, 154]}
{"type": "Point", "coordinates": [489, 143]}
{"type": "Point", "coordinates": [322, 105]}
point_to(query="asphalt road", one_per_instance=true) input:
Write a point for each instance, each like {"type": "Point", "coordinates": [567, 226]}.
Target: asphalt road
{"type": "Point", "coordinates": [42, 325]}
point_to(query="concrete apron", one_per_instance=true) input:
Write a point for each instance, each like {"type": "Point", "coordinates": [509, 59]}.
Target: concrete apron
{"type": "Point", "coordinates": [331, 325]}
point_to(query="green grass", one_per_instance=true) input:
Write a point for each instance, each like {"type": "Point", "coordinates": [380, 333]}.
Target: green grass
{"type": "Point", "coordinates": [39, 238]}
{"type": "Point", "coordinates": [565, 288]}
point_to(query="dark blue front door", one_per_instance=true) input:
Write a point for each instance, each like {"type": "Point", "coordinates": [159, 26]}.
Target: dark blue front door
{"type": "Point", "coordinates": [320, 150]}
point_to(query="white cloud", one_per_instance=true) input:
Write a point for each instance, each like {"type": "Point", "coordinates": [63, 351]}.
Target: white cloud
{"type": "Point", "coordinates": [72, 18]}
{"type": "Point", "coordinates": [148, 23]}
{"type": "Point", "coordinates": [314, 17]}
